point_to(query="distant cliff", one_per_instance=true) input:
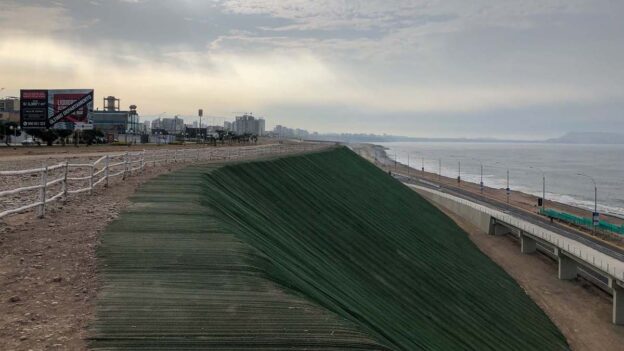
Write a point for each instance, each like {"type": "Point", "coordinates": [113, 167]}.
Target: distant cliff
{"type": "Point", "coordinates": [589, 138]}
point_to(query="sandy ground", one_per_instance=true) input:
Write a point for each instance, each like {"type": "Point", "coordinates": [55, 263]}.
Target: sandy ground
{"type": "Point", "coordinates": [580, 310]}
{"type": "Point", "coordinates": [48, 280]}
{"type": "Point", "coordinates": [520, 200]}
{"type": "Point", "coordinates": [59, 152]}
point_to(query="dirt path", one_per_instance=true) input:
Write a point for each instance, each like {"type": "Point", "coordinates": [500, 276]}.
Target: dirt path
{"type": "Point", "coordinates": [580, 310]}
{"type": "Point", "coordinates": [47, 269]}
{"type": "Point", "coordinates": [69, 151]}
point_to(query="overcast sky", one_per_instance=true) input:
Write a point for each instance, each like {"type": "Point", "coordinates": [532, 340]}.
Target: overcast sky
{"type": "Point", "coordinates": [457, 68]}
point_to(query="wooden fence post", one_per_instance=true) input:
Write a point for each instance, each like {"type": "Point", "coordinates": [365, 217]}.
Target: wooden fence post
{"type": "Point", "coordinates": [125, 173]}
{"type": "Point", "coordinates": [65, 185]}
{"type": "Point", "coordinates": [106, 163]}
{"type": "Point", "coordinates": [91, 179]}
{"type": "Point", "coordinates": [42, 191]}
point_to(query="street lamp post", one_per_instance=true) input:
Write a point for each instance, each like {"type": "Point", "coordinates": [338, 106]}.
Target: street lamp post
{"type": "Point", "coordinates": [481, 182]}
{"type": "Point", "coordinates": [543, 185]}
{"type": "Point", "coordinates": [395, 161]}
{"type": "Point", "coordinates": [459, 172]}
{"type": "Point", "coordinates": [508, 189]}
{"type": "Point", "coordinates": [595, 215]}
{"type": "Point", "coordinates": [422, 167]}
{"type": "Point", "coordinates": [408, 164]}
{"type": "Point", "coordinates": [439, 169]}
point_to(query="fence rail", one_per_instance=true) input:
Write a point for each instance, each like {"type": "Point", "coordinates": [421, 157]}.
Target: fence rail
{"type": "Point", "coordinates": [76, 178]}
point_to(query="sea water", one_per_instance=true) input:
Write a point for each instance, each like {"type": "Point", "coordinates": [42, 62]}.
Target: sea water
{"type": "Point", "coordinates": [561, 164]}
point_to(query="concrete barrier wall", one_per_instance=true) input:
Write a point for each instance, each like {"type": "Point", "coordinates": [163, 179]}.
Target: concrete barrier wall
{"type": "Point", "coordinates": [477, 218]}
{"type": "Point", "coordinates": [602, 263]}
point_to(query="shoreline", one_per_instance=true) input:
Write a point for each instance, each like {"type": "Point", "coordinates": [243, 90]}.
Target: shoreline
{"type": "Point", "coordinates": [521, 200]}
{"type": "Point", "coordinates": [578, 308]}
{"type": "Point", "coordinates": [611, 210]}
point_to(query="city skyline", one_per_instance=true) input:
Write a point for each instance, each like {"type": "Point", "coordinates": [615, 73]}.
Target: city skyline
{"type": "Point", "coordinates": [507, 69]}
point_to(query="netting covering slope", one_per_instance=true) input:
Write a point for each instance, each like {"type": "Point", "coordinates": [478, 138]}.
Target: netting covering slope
{"type": "Point", "coordinates": [316, 252]}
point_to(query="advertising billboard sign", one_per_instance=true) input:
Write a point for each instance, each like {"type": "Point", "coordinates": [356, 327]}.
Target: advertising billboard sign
{"type": "Point", "coordinates": [33, 108]}
{"type": "Point", "coordinates": [55, 109]}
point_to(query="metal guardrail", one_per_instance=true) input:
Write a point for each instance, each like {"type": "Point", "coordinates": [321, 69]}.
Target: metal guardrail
{"type": "Point", "coordinates": [124, 165]}
{"type": "Point", "coordinates": [590, 256]}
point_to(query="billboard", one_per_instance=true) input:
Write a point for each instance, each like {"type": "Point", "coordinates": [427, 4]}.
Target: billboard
{"type": "Point", "coordinates": [33, 108]}
{"type": "Point", "coordinates": [55, 109]}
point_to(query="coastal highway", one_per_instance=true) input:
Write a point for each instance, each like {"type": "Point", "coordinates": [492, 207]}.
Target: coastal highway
{"type": "Point", "coordinates": [612, 251]}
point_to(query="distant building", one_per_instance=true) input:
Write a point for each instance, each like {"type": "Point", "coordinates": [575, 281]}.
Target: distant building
{"type": "Point", "coordinates": [195, 124]}
{"type": "Point", "coordinates": [156, 124]}
{"type": "Point", "coordinates": [284, 132]}
{"type": "Point", "coordinates": [173, 125]}
{"type": "Point", "coordinates": [10, 110]}
{"type": "Point", "coordinates": [113, 121]}
{"type": "Point", "coordinates": [247, 124]}
{"type": "Point", "coordinates": [10, 104]}
{"type": "Point", "coordinates": [227, 126]}
{"type": "Point", "coordinates": [261, 127]}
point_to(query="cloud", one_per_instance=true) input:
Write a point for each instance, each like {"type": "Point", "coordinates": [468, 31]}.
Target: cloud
{"type": "Point", "coordinates": [343, 58]}
{"type": "Point", "coordinates": [32, 19]}
{"type": "Point", "coordinates": [365, 14]}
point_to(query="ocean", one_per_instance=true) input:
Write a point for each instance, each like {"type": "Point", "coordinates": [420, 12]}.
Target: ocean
{"type": "Point", "coordinates": [561, 164]}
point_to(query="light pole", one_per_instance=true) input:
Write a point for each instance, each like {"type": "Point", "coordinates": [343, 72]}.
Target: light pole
{"type": "Point", "coordinates": [439, 169]}
{"type": "Point", "coordinates": [543, 185]}
{"type": "Point", "coordinates": [481, 182]}
{"type": "Point", "coordinates": [595, 215]}
{"type": "Point", "coordinates": [508, 189]}
{"type": "Point", "coordinates": [395, 161]}
{"type": "Point", "coordinates": [422, 167]}
{"type": "Point", "coordinates": [459, 173]}
{"type": "Point", "coordinates": [408, 164]}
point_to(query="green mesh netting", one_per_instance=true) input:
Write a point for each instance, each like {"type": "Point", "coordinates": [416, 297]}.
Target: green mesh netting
{"type": "Point", "coordinates": [582, 221]}
{"type": "Point", "coordinates": [315, 252]}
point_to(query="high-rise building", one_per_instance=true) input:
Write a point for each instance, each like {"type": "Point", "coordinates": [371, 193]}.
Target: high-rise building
{"type": "Point", "coordinates": [10, 110]}
{"type": "Point", "coordinates": [247, 124]}
{"type": "Point", "coordinates": [173, 125]}
{"type": "Point", "coordinates": [261, 127]}
{"type": "Point", "coordinates": [156, 124]}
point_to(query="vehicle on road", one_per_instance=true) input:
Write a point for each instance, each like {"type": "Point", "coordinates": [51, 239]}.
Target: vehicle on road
{"type": "Point", "coordinates": [30, 141]}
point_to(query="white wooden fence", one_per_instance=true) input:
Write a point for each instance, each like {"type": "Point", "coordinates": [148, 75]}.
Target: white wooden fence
{"type": "Point", "coordinates": [56, 182]}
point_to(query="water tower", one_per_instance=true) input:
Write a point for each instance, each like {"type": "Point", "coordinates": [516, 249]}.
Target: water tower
{"type": "Point", "coordinates": [111, 104]}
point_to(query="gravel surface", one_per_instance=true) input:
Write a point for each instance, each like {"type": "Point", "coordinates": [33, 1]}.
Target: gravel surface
{"type": "Point", "coordinates": [47, 269]}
